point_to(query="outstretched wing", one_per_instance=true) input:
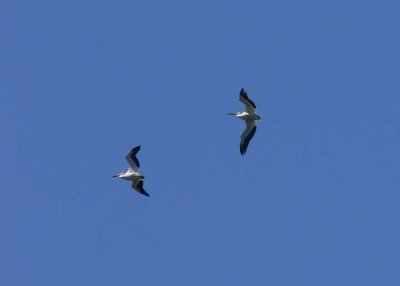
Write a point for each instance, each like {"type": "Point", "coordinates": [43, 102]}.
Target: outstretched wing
{"type": "Point", "coordinates": [250, 105]}
{"type": "Point", "coordinates": [138, 186]}
{"type": "Point", "coordinates": [132, 159]}
{"type": "Point", "coordinates": [247, 135]}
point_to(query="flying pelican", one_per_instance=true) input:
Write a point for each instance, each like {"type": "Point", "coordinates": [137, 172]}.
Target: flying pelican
{"type": "Point", "coordinates": [133, 173]}
{"type": "Point", "coordinates": [250, 116]}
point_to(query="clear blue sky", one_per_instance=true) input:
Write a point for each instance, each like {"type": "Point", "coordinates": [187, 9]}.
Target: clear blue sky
{"type": "Point", "coordinates": [315, 201]}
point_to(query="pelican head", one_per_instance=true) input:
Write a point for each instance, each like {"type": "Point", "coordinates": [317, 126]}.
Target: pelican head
{"type": "Point", "coordinates": [233, 113]}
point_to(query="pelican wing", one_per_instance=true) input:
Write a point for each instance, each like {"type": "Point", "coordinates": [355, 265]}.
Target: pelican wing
{"type": "Point", "coordinates": [247, 134]}
{"type": "Point", "coordinates": [138, 186]}
{"type": "Point", "coordinates": [132, 159]}
{"type": "Point", "coordinates": [250, 105]}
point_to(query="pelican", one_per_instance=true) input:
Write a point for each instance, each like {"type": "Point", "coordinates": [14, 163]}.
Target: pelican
{"type": "Point", "coordinates": [250, 117]}
{"type": "Point", "coordinates": [133, 173]}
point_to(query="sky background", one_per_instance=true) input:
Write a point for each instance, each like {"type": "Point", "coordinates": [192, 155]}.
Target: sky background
{"type": "Point", "coordinates": [315, 200]}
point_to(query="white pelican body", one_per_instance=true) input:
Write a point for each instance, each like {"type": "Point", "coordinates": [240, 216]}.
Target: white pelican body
{"type": "Point", "coordinates": [246, 116]}
{"type": "Point", "coordinates": [133, 174]}
{"type": "Point", "coordinates": [250, 117]}
{"type": "Point", "coordinates": [129, 176]}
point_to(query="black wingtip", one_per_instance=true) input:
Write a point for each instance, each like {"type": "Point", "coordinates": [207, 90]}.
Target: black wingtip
{"type": "Point", "coordinates": [139, 188]}
{"type": "Point", "coordinates": [243, 148]}
{"type": "Point", "coordinates": [143, 192]}
{"type": "Point", "coordinates": [135, 149]}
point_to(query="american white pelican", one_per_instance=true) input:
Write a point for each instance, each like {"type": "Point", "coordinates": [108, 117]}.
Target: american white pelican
{"type": "Point", "coordinates": [250, 116]}
{"type": "Point", "coordinates": [133, 173]}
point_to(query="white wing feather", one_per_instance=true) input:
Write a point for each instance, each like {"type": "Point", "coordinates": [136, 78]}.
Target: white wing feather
{"type": "Point", "coordinates": [247, 135]}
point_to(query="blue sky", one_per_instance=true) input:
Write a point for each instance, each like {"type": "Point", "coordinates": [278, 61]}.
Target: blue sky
{"type": "Point", "coordinates": [315, 200]}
